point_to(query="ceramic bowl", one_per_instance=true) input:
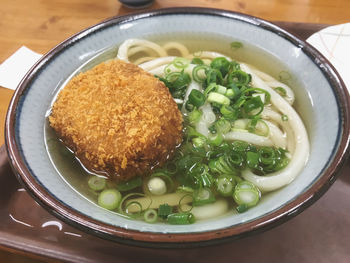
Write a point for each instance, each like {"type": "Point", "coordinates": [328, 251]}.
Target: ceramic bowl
{"type": "Point", "coordinates": [322, 100]}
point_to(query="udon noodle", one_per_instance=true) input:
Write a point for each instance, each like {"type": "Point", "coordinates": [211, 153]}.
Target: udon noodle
{"type": "Point", "coordinates": [290, 135]}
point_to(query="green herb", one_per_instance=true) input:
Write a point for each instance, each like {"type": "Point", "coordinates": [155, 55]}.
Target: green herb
{"type": "Point", "coordinates": [164, 210]}
{"type": "Point", "coordinates": [236, 45]}
{"type": "Point", "coordinates": [281, 91]}
{"type": "Point", "coordinates": [196, 98]}
{"type": "Point", "coordinates": [109, 199]}
{"type": "Point", "coordinates": [203, 196]}
{"type": "Point", "coordinates": [129, 185]}
{"type": "Point", "coordinates": [97, 183]}
{"type": "Point", "coordinates": [150, 216]}
{"type": "Point", "coordinates": [181, 219]}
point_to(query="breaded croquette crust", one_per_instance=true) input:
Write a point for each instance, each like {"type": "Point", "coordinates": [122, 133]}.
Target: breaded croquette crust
{"type": "Point", "coordinates": [118, 119]}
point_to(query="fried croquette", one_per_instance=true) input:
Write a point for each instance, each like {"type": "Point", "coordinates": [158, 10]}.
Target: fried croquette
{"type": "Point", "coordinates": [118, 119]}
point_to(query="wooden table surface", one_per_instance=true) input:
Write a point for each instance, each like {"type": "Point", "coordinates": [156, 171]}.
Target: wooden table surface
{"type": "Point", "coordinates": [40, 25]}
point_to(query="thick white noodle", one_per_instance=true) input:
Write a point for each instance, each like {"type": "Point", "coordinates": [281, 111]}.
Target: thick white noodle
{"type": "Point", "coordinates": [178, 46]}
{"type": "Point", "coordinates": [278, 179]}
{"type": "Point", "coordinates": [133, 50]}
{"type": "Point", "coordinates": [207, 211]}
{"type": "Point", "coordinates": [207, 119]}
{"type": "Point", "coordinates": [142, 60]}
{"type": "Point", "coordinates": [265, 77]}
{"type": "Point", "coordinates": [248, 137]}
{"type": "Point", "coordinates": [159, 71]}
{"type": "Point", "coordinates": [208, 54]}
{"type": "Point", "coordinates": [193, 85]}
{"type": "Point", "coordinates": [157, 62]}
{"type": "Point", "coordinates": [274, 83]}
{"type": "Point", "coordinates": [127, 44]}
{"type": "Point", "coordinates": [278, 138]}
{"type": "Point", "coordinates": [269, 114]}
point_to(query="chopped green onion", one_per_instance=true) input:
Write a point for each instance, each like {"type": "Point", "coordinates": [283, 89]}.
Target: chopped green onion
{"type": "Point", "coordinates": [109, 199]}
{"type": "Point", "coordinates": [226, 164]}
{"type": "Point", "coordinates": [218, 98]}
{"type": "Point", "coordinates": [125, 204]}
{"type": "Point", "coordinates": [228, 112]}
{"type": "Point", "coordinates": [171, 168]}
{"type": "Point", "coordinates": [166, 177]}
{"type": "Point", "coordinates": [284, 117]}
{"type": "Point", "coordinates": [181, 218]}
{"type": "Point", "coordinates": [156, 186]}
{"type": "Point", "coordinates": [236, 45]}
{"type": "Point", "coordinates": [252, 159]}
{"type": "Point", "coordinates": [197, 61]}
{"type": "Point", "coordinates": [216, 139]}
{"type": "Point", "coordinates": [254, 106]}
{"type": "Point", "coordinates": [221, 64]}
{"type": "Point", "coordinates": [181, 63]}
{"type": "Point", "coordinates": [164, 210]}
{"type": "Point", "coordinates": [192, 133]}
{"type": "Point", "coordinates": [281, 91]}
{"type": "Point", "coordinates": [258, 126]}
{"type": "Point", "coordinates": [203, 196]}
{"type": "Point", "coordinates": [229, 93]}
{"type": "Point", "coordinates": [194, 116]}
{"type": "Point", "coordinates": [221, 89]}
{"type": "Point", "coordinates": [129, 185]}
{"type": "Point", "coordinates": [210, 88]}
{"type": "Point", "coordinates": [97, 183]}
{"type": "Point", "coordinates": [186, 189]}
{"type": "Point", "coordinates": [198, 142]}
{"type": "Point", "coordinates": [267, 155]}
{"type": "Point", "coordinates": [242, 208]}
{"type": "Point", "coordinates": [150, 215]}
{"type": "Point", "coordinates": [196, 73]}
{"type": "Point", "coordinates": [222, 126]}
{"type": "Point", "coordinates": [225, 185]}
{"type": "Point", "coordinates": [196, 98]}
{"type": "Point", "coordinates": [213, 76]}
{"type": "Point", "coordinates": [258, 90]}
{"type": "Point", "coordinates": [246, 193]}
{"type": "Point", "coordinates": [284, 76]}
{"type": "Point", "coordinates": [239, 76]}
{"type": "Point", "coordinates": [234, 91]}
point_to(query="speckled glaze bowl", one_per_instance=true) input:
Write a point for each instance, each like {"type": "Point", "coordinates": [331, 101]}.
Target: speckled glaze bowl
{"type": "Point", "coordinates": [322, 97]}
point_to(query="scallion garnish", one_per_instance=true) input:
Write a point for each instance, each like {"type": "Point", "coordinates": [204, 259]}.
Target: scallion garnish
{"type": "Point", "coordinates": [196, 98]}
{"type": "Point", "coordinates": [181, 218]}
{"type": "Point", "coordinates": [247, 194]}
{"type": "Point", "coordinates": [164, 210]}
{"type": "Point", "coordinates": [129, 185]}
{"type": "Point", "coordinates": [236, 45]}
{"type": "Point", "coordinates": [97, 183]}
{"type": "Point", "coordinates": [109, 199]}
{"type": "Point", "coordinates": [150, 216]}
{"type": "Point", "coordinates": [218, 98]}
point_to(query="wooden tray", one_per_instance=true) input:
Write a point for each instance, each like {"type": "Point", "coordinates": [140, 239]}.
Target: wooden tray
{"type": "Point", "coordinates": [319, 234]}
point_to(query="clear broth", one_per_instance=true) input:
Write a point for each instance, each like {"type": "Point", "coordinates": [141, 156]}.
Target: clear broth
{"type": "Point", "coordinates": [75, 174]}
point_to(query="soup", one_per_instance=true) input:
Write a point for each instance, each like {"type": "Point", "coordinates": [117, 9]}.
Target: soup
{"type": "Point", "coordinates": [241, 139]}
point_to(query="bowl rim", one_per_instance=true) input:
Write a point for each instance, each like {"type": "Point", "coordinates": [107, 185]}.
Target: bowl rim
{"type": "Point", "coordinates": [152, 239]}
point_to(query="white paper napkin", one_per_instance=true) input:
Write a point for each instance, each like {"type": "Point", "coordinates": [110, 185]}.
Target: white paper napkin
{"type": "Point", "coordinates": [15, 67]}
{"type": "Point", "coordinates": [334, 43]}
